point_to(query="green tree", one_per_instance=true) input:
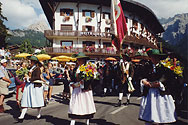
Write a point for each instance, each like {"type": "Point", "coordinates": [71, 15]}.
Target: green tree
{"type": "Point", "coordinates": [26, 47]}
{"type": "Point", "coordinates": [3, 29]}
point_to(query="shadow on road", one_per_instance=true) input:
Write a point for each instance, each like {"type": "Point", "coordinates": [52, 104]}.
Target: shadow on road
{"type": "Point", "coordinates": [58, 98]}
{"type": "Point", "coordinates": [179, 122]}
{"type": "Point", "coordinates": [14, 111]}
{"type": "Point", "coordinates": [136, 104]}
{"type": "Point", "coordinates": [105, 103]}
{"type": "Point", "coordinates": [58, 121]}
{"type": "Point", "coordinates": [101, 122]}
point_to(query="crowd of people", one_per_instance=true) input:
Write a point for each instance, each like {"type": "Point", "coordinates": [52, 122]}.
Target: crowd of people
{"type": "Point", "coordinates": [159, 86]}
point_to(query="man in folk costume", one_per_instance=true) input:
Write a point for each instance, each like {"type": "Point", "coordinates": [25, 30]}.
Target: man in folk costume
{"type": "Point", "coordinates": [157, 105]}
{"type": "Point", "coordinates": [127, 70]}
{"type": "Point", "coordinates": [107, 77]}
{"type": "Point", "coordinates": [4, 83]}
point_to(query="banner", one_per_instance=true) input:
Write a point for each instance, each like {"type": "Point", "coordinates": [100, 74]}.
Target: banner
{"type": "Point", "coordinates": [118, 24]}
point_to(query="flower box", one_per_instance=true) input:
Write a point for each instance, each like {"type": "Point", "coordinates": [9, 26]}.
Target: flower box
{"type": "Point", "coordinates": [88, 19]}
{"type": "Point", "coordinates": [66, 18]}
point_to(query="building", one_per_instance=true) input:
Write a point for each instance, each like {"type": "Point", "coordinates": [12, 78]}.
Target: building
{"type": "Point", "coordinates": [84, 26]}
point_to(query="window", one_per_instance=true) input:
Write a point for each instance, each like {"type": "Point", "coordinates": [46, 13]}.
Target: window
{"type": "Point", "coordinates": [106, 15]}
{"type": "Point", "coordinates": [66, 43]}
{"type": "Point", "coordinates": [107, 29]}
{"type": "Point", "coordinates": [107, 44]}
{"type": "Point", "coordinates": [88, 28]}
{"type": "Point", "coordinates": [88, 43]}
{"type": "Point", "coordinates": [66, 12]}
{"type": "Point", "coordinates": [135, 23]}
{"type": "Point", "coordinates": [88, 13]}
{"type": "Point", "coordinates": [126, 19]}
{"type": "Point", "coordinates": [66, 27]}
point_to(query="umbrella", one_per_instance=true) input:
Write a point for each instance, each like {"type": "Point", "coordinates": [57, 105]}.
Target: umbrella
{"type": "Point", "coordinates": [23, 55]}
{"type": "Point", "coordinates": [64, 58]}
{"type": "Point", "coordinates": [136, 60]}
{"type": "Point", "coordinates": [42, 57]}
{"type": "Point", "coordinates": [110, 59]}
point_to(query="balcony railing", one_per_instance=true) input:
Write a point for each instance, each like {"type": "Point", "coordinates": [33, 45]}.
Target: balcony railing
{"type": "Point", "coordinates": [91, 51]}
{"type": "Point", "coordinates": [51, 33]}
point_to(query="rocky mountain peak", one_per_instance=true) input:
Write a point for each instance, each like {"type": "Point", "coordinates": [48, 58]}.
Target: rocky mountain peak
{"type": "Point", "coordinates": [39, 26]}
{"type": "Point", "coordinates": [175, 28]}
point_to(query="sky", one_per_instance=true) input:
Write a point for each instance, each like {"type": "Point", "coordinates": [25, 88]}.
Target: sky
{"type": "Point", "coordinates": [22, 13]}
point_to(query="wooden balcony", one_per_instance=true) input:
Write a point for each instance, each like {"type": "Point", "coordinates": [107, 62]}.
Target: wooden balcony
{"type": "Point", "coordinates": [50, 34]}
{"type": "Point", "coordinates": [54, 51]}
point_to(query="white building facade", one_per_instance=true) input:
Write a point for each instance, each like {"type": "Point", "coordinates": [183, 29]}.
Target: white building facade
{"type": "Point", "coordinates": [86, 26]}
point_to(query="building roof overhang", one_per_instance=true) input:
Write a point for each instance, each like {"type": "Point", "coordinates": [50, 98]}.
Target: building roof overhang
{"type": "Point", "coordinates": [144, 14]}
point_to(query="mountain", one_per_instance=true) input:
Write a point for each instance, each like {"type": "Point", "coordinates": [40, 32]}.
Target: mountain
{"type": "Point", "coordinates": [176, 33]}
{"type": "Point", "coordinates": [39, 26]}
{"type": "Point", "coordinates": [35, 33]}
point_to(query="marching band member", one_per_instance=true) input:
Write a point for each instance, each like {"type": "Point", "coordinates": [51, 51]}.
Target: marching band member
{"type": "Point", "coordinates": [126, 83]}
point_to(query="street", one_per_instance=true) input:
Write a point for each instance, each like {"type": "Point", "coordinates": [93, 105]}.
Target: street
{"type": "Point", "coordinates": [56, 112]}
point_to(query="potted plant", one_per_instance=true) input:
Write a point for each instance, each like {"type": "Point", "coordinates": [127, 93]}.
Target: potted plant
{"type": "Point", "coordinates": [88, 19]}
{"type": "Point", "coordinates": [66, 18]}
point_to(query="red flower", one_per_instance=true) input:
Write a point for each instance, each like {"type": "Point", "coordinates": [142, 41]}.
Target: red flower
{"type": "Point", "coordinates": [172, 68]}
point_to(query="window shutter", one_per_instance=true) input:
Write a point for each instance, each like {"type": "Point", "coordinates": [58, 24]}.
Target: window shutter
{"type": "Point", "coordinates": [83, 28]}
{"type": "Point", "coordinates": [83, 13]}
{"type": "Point", "coordinates": [93, 14]}
{"type": "Point", "coordinates": [66, 27]}
{"type": "Point", "coordinates": [103, 15]}
{"type": "Point", "coordinates": [71, 13]}
{"type": "Point", "coordinates": [93, 29]}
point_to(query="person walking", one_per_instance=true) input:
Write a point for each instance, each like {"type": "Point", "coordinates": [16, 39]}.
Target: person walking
{"type": "Point", "coordinates": [19, 80]}
{"type": "Point", "coordinates": [45, 79]}
{"type": "Point", "coordinates": [4, 83]}
{"type": "Point", "coordinates": [157, 105]}
{"type": "Point", "coordinates": [51, 81]}
{"type": "Point", "coordinates": [81, 104]}
{"type": "Point", "coordinates": [107, 77]}
{"type": "Point", "coordinates": [66, 90]}
{"type": "Point", "coordinates": [33, 91]}
{"type": "Point", "coordinates": [127, 71]}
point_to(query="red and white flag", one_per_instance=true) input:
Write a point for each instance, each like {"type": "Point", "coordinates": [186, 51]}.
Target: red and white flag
{"type": "Point", "coordinates": [118, 24]}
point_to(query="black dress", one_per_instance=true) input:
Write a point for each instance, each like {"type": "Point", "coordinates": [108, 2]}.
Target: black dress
{"type": "Point", "coordinates": [66, 83]}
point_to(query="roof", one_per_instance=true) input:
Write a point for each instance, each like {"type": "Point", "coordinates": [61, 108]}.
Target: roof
{"type": "Point", "coordinates": [144, 13]}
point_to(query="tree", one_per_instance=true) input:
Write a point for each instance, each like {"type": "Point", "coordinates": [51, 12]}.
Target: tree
{"type": "Point", "coordinates": [26, 47]}
{"type": "Point", "coordinates": [3, 29]}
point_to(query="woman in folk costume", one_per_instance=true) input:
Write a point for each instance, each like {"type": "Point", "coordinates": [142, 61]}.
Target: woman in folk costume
{"type": "Point", "coordinates": [157, 104]}
{"type": "Point", "coordinates": [33, 91]}
{"type": "Point", "coordinates": [127, 72]}
{"type": "Point", "coordinates": [4, 83]}
{"type": "Point", "coordinates": [81, 104]}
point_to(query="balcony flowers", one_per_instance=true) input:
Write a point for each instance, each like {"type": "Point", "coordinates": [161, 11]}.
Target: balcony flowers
{"type": "Point", "coordinates": [66, 18]}
{"type": "Point", "coordinates": [88, 19]}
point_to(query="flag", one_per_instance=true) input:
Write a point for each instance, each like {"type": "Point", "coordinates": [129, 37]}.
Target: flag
{"type": "Point", "coordinates": [118, 24]}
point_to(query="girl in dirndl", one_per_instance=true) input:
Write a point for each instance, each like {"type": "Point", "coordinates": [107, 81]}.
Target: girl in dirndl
{"type": "Point", "coordinates": [81, 104]}
{"type": "Point", "coordinates": [33, 92]}
{"type": "Point", "coordinates": [157, 105]}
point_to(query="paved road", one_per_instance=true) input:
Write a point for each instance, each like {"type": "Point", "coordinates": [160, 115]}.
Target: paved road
{"type": "Point", "coordinates": [56, 112]}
